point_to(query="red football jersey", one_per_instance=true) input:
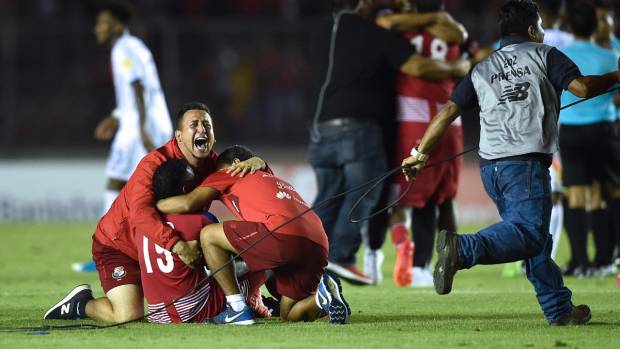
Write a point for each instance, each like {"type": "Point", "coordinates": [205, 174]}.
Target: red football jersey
{"type": "Point", "coordinates": [418, 99]}
{"type": "Point", "coordinates": [434, 48]}
{"type": "Point", "coordinates": [134, 208]}
{"type": "Point", "coordinates": [262, 197]}
{"type": "Point", "coordinates": [166, 278]}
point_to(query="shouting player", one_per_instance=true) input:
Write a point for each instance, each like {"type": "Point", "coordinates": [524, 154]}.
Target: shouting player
{"type": "Point", "coordinates": [141, 121]}
{"type": "Point", "coordinates": [296, 250]}
{"type": "Point", "coordinates": [133, 211]}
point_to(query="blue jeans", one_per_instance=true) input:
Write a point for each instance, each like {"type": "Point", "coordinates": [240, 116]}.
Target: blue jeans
{"type": "Point", "coordinates": [521, 191]}
{"type": "Point", "coordinates": [345, 157]}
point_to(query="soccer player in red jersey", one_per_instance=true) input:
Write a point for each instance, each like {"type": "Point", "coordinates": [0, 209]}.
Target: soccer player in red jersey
{"type": "Point", "coordinates": [174, 291]}
{"type": "Point", "coordinates": [114, 251]}
{"type": "Point", "coordinates": [296, 249]}
{"type": "Point", "coordinates": [418, 100]}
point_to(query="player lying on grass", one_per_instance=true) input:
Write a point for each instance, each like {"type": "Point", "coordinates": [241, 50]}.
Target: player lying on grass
{"type": "Point", "coordinates": [296, 252]}
{"type": "Point", "coordinates": [114, 251]}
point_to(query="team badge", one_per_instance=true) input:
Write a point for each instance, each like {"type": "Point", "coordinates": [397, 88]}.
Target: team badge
{"type": "Point", "coordinates": [119, 272]}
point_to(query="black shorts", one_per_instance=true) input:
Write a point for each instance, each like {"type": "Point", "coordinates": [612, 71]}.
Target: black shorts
{"type": "Point", "coordinates": [590, 153]}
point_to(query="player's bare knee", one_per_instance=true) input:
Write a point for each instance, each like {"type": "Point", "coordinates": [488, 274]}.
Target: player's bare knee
{"type": "Point", "coordinates": [286, 305]}
{"type": "Point", "coordinates": [128, 314]}
{"type": "Point", "coordinates": [206, 236]}
{"type": "Point", "coordinates": [576, 196]}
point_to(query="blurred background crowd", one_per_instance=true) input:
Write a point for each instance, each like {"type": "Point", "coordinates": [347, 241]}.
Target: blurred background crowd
{"type": "Point", "coordinates": [246, 58]}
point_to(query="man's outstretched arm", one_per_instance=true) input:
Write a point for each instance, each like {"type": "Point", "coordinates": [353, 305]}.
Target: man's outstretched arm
{"type": "Point", "coordinates": [592, 85]}
{"type": "Point", "coordinates": [429, 69]}
{"type": "Point", "coordinates": [436, 129]}
{"type": "Point", "coordinates": [440, 24]}
{"type": "Point", "coordinates": [199, 198]}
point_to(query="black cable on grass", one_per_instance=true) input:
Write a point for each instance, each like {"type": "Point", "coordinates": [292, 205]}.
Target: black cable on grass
{"type": "Point", "coordinates": [397, 200]}
{"type": "Point", "coordinates": [201, 282]}
{"type": "Point", "coordinates": [375, 182]}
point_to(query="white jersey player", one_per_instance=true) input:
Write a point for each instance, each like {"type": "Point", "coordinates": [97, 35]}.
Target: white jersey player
{"type": "Point", "coordinates": [140, 122]}
{"type": "Point", "coordinates": [141, 119]}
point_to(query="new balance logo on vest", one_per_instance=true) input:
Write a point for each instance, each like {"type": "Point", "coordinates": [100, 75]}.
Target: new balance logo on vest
{"type": "Point", "coordinates": [512, 93]}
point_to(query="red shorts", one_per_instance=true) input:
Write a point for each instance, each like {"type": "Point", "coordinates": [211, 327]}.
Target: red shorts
{"type": "Point", "coordinates": [297, 262]}
{"type": "Point", "coordinates": [437, 183]}
{"type": "Point", "coordinates": [115, 267]}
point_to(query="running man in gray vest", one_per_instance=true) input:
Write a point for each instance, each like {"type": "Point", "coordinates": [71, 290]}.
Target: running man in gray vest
{"type": "Point", "coordinates": [517, 89]}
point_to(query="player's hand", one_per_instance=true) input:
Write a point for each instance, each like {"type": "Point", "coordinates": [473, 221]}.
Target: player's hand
{"type": "Point", "coordinates": [384, 22]}
{"type": "Point", "coordinates": [460, 68]}
{"type": "Point", "coordinates": [146, 140]}
{"type": "Point", "coordinates": [106, 128]}
{"type": "Point", "coordinates": [411, 166]}
{"type": "Point", "coordinates": [188, 252]}
{"type": "Point", "coordinates": [250, 165]}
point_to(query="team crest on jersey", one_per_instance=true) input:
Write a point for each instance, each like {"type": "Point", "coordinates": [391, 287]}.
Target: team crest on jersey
{"type": "Point", "coordinates": [119, 272]}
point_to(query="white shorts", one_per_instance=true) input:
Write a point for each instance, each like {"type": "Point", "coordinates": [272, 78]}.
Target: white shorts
{"type": "Point", "coordinates": [126, 152]}
{"type": "Point", "coordinates": [556, 177]}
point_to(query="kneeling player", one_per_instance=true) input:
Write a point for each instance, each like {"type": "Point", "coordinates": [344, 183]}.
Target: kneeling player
{"type": "Point", "coordinates": [174, 291]}
{"type": "Point", "coordinates": [296, 251]}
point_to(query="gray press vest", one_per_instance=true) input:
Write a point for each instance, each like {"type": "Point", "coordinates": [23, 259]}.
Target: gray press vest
{"type": "Point", "coordinates": [519, 106]}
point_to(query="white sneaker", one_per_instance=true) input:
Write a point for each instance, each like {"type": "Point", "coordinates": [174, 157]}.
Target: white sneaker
{"type": "Point", "coordinates": [373, 259]}
{"type": "Point", "coordinates": [422, 277]}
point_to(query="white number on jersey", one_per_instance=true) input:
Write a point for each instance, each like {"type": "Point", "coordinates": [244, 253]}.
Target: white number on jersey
{"type": "Point", "coordinates": [439, 48]}
{"type": "Point", "coordinates": [164, 266]}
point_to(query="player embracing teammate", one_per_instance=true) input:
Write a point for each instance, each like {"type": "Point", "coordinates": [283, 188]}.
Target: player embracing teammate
{"type": "Point", "coordinates": [419, 99]}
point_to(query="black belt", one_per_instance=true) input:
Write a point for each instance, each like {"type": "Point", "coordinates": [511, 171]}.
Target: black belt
{"type": "Point", "coordinates": [544, 158]}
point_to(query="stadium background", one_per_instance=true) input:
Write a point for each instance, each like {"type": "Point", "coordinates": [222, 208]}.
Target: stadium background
{"type": "Point", "coordinates": [245, 58]}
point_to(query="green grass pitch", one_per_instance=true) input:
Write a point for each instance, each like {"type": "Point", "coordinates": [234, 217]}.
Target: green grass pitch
{"type": "Point", "coordinates": [484, 310]}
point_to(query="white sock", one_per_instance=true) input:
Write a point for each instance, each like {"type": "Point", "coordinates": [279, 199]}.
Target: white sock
{"type": "Point", "coordinates": [108, 197]}
{"type": "Point", "coordinates": [236, 301]}
{"type": "Point", "coordinates": [557, 216]}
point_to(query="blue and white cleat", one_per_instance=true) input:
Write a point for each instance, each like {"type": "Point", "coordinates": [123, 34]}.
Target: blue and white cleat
{"type": "Point", "coordinates": [330, 298]}
{"type": "Point", "coordinates": [88, 266]}
{"type": "Point", "coordinates": [230, 316]}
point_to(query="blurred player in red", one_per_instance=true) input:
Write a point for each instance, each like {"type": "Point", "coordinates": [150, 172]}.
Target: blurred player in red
{"type": "Point", "coordinates": [418, 101]}
{"type": "Point", "coordinates": [296, 251]}
{"type": "Point", "coordinates": [174, 291]}
{"type": "Point", "coordinates": [133, 211]}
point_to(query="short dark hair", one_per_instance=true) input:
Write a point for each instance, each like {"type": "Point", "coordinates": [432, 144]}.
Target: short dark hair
{"type": "Point", "coordinates": [552, 7]}
{"type": "Point", "coordinates": [169, 178]}
{"type": "Point", "coordinates": [187, 107]}
{"type": "Point", "coordinates": [516, 16]}
{"type": "Point", "coordinates": [119, 10]}
{"type": "Point", "coordinates": [230, 153]}
{"type": "Point", "coordinates": [582, 19]}
{"type": "Point", "coordinates": [423, 6]}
